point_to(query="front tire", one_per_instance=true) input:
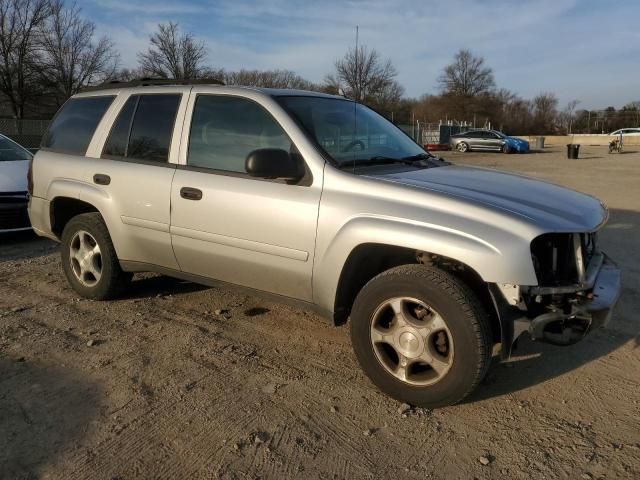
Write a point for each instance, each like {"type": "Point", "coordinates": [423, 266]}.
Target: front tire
{"type": "Point", "coordinates": [89, 259]}
{"type": "Point", "coordinates": [463, 147]}
{"type": "Point", "coordinates": [421, 335]}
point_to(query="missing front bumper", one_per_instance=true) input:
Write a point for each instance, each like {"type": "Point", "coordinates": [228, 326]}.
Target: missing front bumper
{"type": "Point", "coordinates": [594, 310]}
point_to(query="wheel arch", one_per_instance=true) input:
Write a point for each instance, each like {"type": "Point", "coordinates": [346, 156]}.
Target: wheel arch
{"type": "Point", "coordinates": [62, 209]}
{"type": "Point", "coordinates": [367, 260]}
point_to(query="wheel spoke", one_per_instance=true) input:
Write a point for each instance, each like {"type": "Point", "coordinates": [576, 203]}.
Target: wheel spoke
{"type": "Point", "coordinates": [402, 368]}
{"type": "Point", "coordinates": [436, 322]}
{"type": "Point", "coordinates": [439, 366]}
{"type": "Point", "coordinates": [400, 319]}
{"type": "Point", "coordinates": [381, 336]}
{"type": "Point", "coordinates": [396, 305]}
{"type": "Point", "coordinates": [84, 243]}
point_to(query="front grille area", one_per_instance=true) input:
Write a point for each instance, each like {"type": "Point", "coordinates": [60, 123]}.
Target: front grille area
{"type": "Point", "coordinates": [13, 213]}
{"type": "Point", "coordinates": [554, 257]}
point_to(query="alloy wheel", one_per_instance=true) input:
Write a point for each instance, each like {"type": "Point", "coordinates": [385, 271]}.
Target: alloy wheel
{"type": "Point", "coordinates": [411, 341]}
{"type": "Point", "coordinates": [86, 258]}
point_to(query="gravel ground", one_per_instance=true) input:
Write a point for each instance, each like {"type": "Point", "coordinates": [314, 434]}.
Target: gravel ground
{"type": "Point", "coordinates": [177, 380]}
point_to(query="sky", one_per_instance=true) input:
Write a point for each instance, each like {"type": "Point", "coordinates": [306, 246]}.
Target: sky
{"type": "Point", "coordinates": [586, 50]}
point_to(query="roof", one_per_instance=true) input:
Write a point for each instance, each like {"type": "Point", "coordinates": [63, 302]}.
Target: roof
{"type": "Point", "coordinates": [114, 86]}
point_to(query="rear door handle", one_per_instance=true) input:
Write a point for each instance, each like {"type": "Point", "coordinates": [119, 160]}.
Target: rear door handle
{"type": "Point", "coordinates": [101, 179]}
{"type": "Point", "coordinates": [190, 193]}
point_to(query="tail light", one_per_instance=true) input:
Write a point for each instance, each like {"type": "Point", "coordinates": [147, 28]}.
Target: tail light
{"type": "Point", "coordinates": [30, 177]}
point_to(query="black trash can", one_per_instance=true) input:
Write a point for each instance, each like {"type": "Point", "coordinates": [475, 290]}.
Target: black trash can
{"type": "Point", "coordinates": [573, 150]}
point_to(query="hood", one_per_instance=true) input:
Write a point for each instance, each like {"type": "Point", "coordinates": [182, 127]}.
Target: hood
{"type": "Point", "coordinates": [13, 175]}
{"type": "Point", "coordinates": [548, 206]}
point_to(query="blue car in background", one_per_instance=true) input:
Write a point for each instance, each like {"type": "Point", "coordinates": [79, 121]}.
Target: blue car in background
{"type": "Point", "coordinates": [489, 140]}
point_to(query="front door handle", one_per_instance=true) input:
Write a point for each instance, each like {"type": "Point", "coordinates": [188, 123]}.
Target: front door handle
{"type": "Point", "coordinates": [101, 179]}
{"type": "Point", "coordinates": [190, 193]}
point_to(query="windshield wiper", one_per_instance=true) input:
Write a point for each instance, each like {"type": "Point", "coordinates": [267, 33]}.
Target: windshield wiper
{"type": "Point", "coordinates": [425, 160]}
{"type": "Point", "coordinates": [421, 160]}
{"type": "Point", "coordinates": [376, 160]}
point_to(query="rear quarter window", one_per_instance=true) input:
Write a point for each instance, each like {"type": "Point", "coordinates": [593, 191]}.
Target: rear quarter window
{"type": "Point", "coordinates": [74, 125]}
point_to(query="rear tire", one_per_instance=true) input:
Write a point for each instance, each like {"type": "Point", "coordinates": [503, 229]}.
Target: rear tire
{"type": "Point", "coordinates": [442, 321]}
{"type": "Point", "coordinates": [89, 260]}
{"type": "Point", "coordinates": [506, 148]}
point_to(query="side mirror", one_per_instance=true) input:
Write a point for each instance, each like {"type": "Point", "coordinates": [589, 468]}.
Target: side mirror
{"type": "Point", "coordinates": [274, 163]}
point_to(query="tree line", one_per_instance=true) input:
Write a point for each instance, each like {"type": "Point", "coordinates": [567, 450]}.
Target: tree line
{"type": "Point", "coordinates": [49, 51]}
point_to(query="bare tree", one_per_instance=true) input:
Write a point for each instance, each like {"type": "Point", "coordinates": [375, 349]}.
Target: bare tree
{"type": "Point", "coordinates": [128, 74]}
{"type": "Point", "coordinates": [173, 55]}
{"type": "Point", "coordinates": [20, 23]}
{"type": "Point", "coordinates": [545, 112]}
{"type": "Point", "coordinates": [72, 58]}
{"type": "Point", "coordinates": [567, 116]}
{"type": "Point", "coordinates": [467, 76]}
{"type": "Point", "coordinates": [266, 78]}
{"type": "Point", "coordinates": [364, 76]}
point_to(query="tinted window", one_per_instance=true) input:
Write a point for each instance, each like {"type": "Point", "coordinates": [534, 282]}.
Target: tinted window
{"type": "Point", "coordinates": [118, 140]}
{"type": "Point", "coordinates": [224, 130]}
{"type": "Point", "coordinates": [74, 125]}
{"type": "Point", "coordinates": [152, 127]}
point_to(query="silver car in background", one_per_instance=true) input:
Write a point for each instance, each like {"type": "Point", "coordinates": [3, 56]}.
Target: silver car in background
{"type": "Point", "coordinates": [14, 165]}
{"type": "Point", "coordinates": [487, 140]}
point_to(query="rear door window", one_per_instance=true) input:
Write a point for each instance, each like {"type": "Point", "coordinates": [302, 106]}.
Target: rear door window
{"type": "Point", "coordinates": [73, 127]}
{"type": "Point", "coordinates": [144, 128]}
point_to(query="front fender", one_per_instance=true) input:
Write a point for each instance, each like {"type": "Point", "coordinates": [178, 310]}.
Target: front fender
{"type": "Point", "coordinates": [506, 262]}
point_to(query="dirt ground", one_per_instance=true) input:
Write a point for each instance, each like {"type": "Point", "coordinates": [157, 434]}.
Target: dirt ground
{"type": "Point", "coordinates": [177, 380]}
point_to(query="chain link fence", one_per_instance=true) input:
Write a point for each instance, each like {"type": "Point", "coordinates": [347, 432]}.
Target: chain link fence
{"type": "Point", "coordinates": [27, 132]}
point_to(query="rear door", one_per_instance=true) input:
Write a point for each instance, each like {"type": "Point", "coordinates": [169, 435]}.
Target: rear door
{"type": "Point", "coordinates": [229, 226]}
{"type": "Point", "coordinates": [475, 140]}
{"type": "Point", "coordinates": [135, 172]}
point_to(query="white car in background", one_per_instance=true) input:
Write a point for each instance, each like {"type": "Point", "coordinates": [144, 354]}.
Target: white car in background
{"type": "Point", "coordinates": [14, 165]}
{"type": "Point", "coordinates": [634, 132]}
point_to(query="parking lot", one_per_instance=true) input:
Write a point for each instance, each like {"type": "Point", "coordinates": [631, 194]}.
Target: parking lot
{"type": "Point", "coordinates": [177, 380]}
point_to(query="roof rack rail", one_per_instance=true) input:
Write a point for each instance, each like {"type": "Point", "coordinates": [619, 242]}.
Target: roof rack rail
{"type": "Point", "coordinates": [148, 81]}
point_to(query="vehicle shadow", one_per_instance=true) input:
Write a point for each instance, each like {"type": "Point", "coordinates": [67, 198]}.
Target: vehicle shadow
{"type": "Point", "coordinates": [533, 362]}
{"type": "Point", "coordinates": [43, 411]}
{"type": "Point", "coordinates": [24, 245]}
{"type": "Point", "coordinates": [151, 285]}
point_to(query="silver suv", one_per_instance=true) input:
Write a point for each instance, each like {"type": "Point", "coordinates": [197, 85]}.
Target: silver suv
{"type": "Point", "coordinates": [318, 200]}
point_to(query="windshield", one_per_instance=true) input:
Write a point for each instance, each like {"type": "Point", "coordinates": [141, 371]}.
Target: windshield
{"type": "Point", "coordinates": [9, 151]}
{"type": "Point", "coordinates": [351, 133]}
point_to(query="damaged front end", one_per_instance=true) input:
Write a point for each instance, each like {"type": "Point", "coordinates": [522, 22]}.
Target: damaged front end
{"type": "Point", "coordinates": [578, 286]}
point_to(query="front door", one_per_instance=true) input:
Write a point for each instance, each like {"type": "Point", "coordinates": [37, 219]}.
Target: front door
{"type": "Point", "coordinates": [229, 226]}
